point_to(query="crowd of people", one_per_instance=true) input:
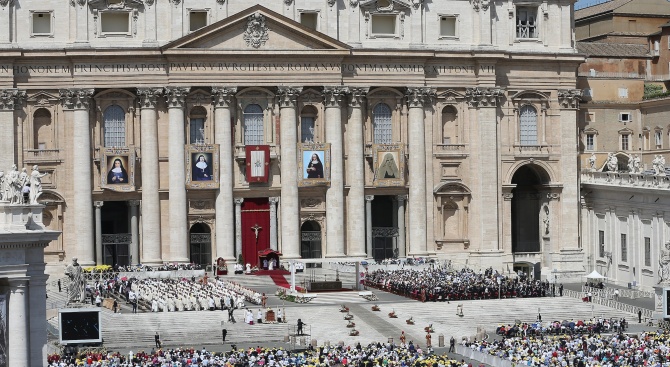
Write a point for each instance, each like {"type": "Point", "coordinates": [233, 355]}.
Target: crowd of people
{"type": "Point", "coordinates": [164, 267]}
{"type": "Point", "coordinates": [563, 327]}
{"type": "Point", "coordinates": [581, 350]}
{"type": "Point", "coordinates": [375, 354]}
{"type": "Point", "coordinates": [444, 284]}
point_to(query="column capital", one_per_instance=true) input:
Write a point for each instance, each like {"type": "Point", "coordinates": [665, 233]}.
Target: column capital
{"type": "Point", "coordinates": [483, 97]}
{"type": "Point", "coordinates": [357, 96]}
{"type": "Point", "coordinates": [288, 96]}
{"type": "Point", "coordinates": [222, 97]}
{"type": "Point", "coordinates": [78, 2]}
{"type": "Point", "coordinates": [369, 197]}
{"type": "Point", "coordinates": [508, 196]}
{"type": "Point", "coordinates": [238, 201]}
{"type": "Point", "coordinates": [18, 284]}
{"type": "Point", "coordinates": [483, 4]}
{"type": "Point", "coordinates": [98, 204]}
{"type": "Point", "coordinates": [569, 98]}
{"type": "Point", "coordinates": [149, 96]}
{"type": "Point", "coordinates": [176, 96]}
{"type": "Point", "coordinates": [4, 3]}
{"type": "Point", "coordinates": [418, 97]}
{"type": "Point", "coordinates": [401, 198]}
{"type": "Point", "coordinates": [76, 98]}
{"type": "Point", "coordinates": [273, 199]}
{"type": "Point", "coordinates": [332, 96]}
{"type": "Point", "coordinates": [11, 99]}
{"type": "Point", "coordinates": [133, 202]}
{"type": "Point", "coordinates": [553, 196]}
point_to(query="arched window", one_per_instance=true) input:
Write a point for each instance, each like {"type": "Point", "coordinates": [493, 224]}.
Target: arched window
{"type": "Point", "coordinates": [528, 125]}
{"type": "Point", "coordinates": [307, 124]}
{"type": "Point", "coordinates": [381, 124]}
{"type": "Point", "coordinates": [197, 126]}
{"type": "Point", "coordinates": [42, 130]}
{"type": "Point", "coordinates": [114, 126]}
{"type": "Point", "coordinates": [253, 125]}
{"type": "Point", "coordinates": [449, 129]}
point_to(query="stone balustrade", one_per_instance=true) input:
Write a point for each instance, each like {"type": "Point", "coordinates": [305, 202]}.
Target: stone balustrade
{"type": "Point", "coordinates": [637, 180]}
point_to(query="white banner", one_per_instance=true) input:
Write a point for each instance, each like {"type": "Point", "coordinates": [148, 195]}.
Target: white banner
{"type": "Point", "coordinates": [257, 163]}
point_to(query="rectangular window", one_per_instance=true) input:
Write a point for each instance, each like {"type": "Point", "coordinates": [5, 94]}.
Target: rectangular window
{"type": "Point", "coordinates": [384, 25]}
{"type": "Point", "coordinates": [601, 243]}
{"type": "Point", "coordinates": [309, 20]}
{"type": "Point", "coordinates": [647, 251]}
{"type": "Point", "coordinates": [42, 146]}
{"type": "Point", "coordinates": [448, 26]}
{"type": "Point", "coordinates": [624, 142]}
{"type": "Point", "coordinates": [197, 131]}
{"type": "Point", "coordinates": [623, 92]}
{"type": "Point", "coordinates": [41, 23]}
{"type": "Point", "coordinates": [658, 136]}
{"type": "Point", "coordinates": [307, 129]}
{"type": "Point", "coordinates": [115, 23]}
{"type": "Point", "coordinates": [625, 117]}
{"type": "Point", "coordinates": [589, 141]}
{"type": "Point", "coordinates": [526, 22]}
{"type": "Point", "coordinates": [624, 248]}
{"type": "Point", "coordinates": [197, 20]}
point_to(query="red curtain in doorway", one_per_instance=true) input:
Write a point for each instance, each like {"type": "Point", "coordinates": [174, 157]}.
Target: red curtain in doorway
{"type": "Point", "coordinates": [255, 213]}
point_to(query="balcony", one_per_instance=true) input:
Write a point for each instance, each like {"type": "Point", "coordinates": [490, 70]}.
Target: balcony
{"type": "Point", "coordinates": [535, 151]}
{"type": "Point", "coordinates": [240, 152]}
{"type": "Point", "coordinates": [33, 156]}
{"type": "Point", "coordinates": [627, 180]}
{"type": "Point", "coordinates": [450, 150]}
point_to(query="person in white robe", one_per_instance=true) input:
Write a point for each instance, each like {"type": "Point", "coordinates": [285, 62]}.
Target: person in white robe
{"type": "Point", "coordinates": [154, 305]}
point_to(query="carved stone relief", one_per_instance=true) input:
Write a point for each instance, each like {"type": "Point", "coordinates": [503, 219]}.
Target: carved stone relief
{"type": "Point", "coordinates": [255, 31]}
{"type": "Point", "coordinates": [311, 203]}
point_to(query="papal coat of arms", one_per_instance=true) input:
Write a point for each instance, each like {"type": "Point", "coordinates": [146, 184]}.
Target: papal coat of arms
{"type": "Point", "coordinates": [256, 32]}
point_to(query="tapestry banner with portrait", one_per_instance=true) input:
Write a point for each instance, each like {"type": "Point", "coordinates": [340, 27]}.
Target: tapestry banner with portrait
{"type": "Point", "coordinates": [313, 164]}
{"type": "Point", "coordinates": [118, 169]}
{"type": "Point", "coordinates": [258, 163]}
{"type": "Point", "coordinates": [389, 163]}
{"type": "Point", "coordinates": [202, 166]}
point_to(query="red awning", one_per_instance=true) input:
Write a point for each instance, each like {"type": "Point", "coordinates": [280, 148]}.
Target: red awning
{"type": "Point", "coordinates": [268, 251]}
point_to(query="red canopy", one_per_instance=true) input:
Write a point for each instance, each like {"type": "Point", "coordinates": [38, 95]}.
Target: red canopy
{"type": "Point", "coordinates": [268, 251]}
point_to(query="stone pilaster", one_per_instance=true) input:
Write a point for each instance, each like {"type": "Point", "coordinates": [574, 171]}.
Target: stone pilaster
{"type": "Point", "coordinates": [402, 247]}
{"type": "Point", "coordinates": [290, 203]}
{"type": "Point", "coordinates": [485, 158]}
{"type": "Point", "coordinates": [81, 20]}
{"type": "Point", "coordinates": [356, 174]}
{"type": "Point", "coordinates": [151, 206]}
{"type": "Point", "coordinates": [238, 226]}
{"type": "Point", "coordinates": [335, 195]}
{"type": "Point", "coordinates": [17, 324]}
{"type": "Point", "coordinates": [6, 10]}
{"type": "Point", "coordinates": [222, 98]}
{"type": "Point", "coordinates": [568, 236]}
{"type": "Point", "coordinates": [176, 98]}
{"type": "Point", "coordinates": [76, 102]}
{"type": "Point", "coordinates": [37, 294]}
{"type": "Point", "coordinates": [98, 231]}
{"type": "Point", "coordinates": [416, 98]}
{"type": "Point", "coordinates": [368, 223]}
{"type": "Point", "coordinates": [10, 99]}
{"type": "Point", "coordinates": [507, 220]}
{"type": "Point", "coordinates": [273, 222]}
{"type": "Point", "coordinates": [134, 232]}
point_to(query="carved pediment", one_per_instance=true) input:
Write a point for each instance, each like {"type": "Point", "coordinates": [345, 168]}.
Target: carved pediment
{"type": "Point", "coordinates": [256, 29]}
{"type": "Point", "coordinates": [43, 98]}
{"type": "Point", "coordinates": [115, 4]}
{"type": "Point", "coordinates": [383, 6]}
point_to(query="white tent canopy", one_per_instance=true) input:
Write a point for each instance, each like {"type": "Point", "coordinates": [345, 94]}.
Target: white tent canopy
{"type": "Point", "coordinates": [595, 275]}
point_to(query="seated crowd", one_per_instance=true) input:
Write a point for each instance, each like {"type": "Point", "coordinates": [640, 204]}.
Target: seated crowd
{"type": "Point", "coordinates": [375, 354]}
{"type": "Point", "coordinates": [164, 267]}
{"type": "Point", "coordinates": [593, 326]}
{"type": "Point", "coordinates": [644, 349]}
{"type": "Point", "coordinates": [443, 284]}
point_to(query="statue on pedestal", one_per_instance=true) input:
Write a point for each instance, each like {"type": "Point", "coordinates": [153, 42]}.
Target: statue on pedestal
{"type": "Point", "coordinates": [658, 164]}
{"type": "Point", "coordinates": [592, 161]}
{"type": "Point", "coordinates": [35, 185]}
{"type": "Point", "coordinates": [664, 265]}
{"type": "Point", "coordinates": [76, 291]}
{"type": "Point", "coordinates": [612, 162]}
{"type": "Point", "coordinates": [636, 164]}
{"type": "Point", "coordinates": [12, 183]}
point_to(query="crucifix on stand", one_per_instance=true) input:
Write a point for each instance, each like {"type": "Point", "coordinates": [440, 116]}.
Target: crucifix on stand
{"type": "Point", "coordinates": [256, 228]}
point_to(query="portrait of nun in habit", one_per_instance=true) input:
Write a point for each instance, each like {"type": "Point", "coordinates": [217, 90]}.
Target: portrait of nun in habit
{"type": "Point", "coordinates": [201, 169]}
{"type": "Point", "coordinates": [118, 173]}
{"type": "Point", "coordinates": [388, 167]}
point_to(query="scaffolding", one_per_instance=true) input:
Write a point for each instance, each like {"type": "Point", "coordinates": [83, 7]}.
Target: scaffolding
{"type": "Point", "coordinates": [299, 341]}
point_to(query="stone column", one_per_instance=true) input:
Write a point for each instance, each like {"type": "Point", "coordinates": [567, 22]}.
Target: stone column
{"type": "Point", "coordinates": [37, 293]}
{"type": "Point", "coordinates": [335, 194]}
{"type": "Point", "coordinates": [222, 98]}
{"type": "Point", "coordinates": [416, 97]}
{"type": "Point", "coordinates": [175, 98]}
{"type": "Point", "coordinates": [368, 223]}
{"type": "Point", "coordinates": [273, 222]}
{"type": "Point", "coordinates": [238, 226]}
{"type": "Point", "coordinates": [98, 232]}
{"type": "Point", "coordinates": [78, 100]}
{"type": "Point", "coordinates": [486, 160]}
{"type": "Point", "coordinates": [151, 206]}
{"type": "Point", "coordinates": [134, 232]}
{"type": "Point", "coordinates": [507, 220]}
{"type": "Point", "coordinates": [356, 175]}
{"type": "Point", "coordinates": [10, 99]}
{"type": "Point", "coordinates": [402, 250]}
{"type": "Point", "coordinates": [290, 201]}
{"type": "Point", "coordinates": [18, 324]}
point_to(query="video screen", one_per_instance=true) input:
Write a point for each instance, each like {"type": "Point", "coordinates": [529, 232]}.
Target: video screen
{"type": "Point", "coordinates": [80, 327]}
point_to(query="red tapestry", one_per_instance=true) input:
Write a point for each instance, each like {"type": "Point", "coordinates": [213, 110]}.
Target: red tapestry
{"type": "Point", "coordinates": [258, 163]}
{"type": "Point", "coordinates": [255, 228]}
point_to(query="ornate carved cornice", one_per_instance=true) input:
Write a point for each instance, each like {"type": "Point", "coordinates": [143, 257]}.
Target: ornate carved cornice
{"type": "Point", "coordinates": [123, 4]}
{"type": "Point", "coordinates": [333, 96]}
{"type": "Point", "coordinates": [483, 97]}
{"type": "Point", "coordinates": [288, 96]}
{"type": "Point", "coordinates": [176, 96]}
{"type": "Point", "coordinates": [255, 30]}
{"type": "Point", "coordinates": [483, 4]}
{"type": "Point", "coordinates": [417, 97]}
{"type": "Point", "coordinates": [223, 96]}
{"type": "Point", "coordinates": [149, 96]}
{"type": "Point", "coordinates": [4, 3]}
{"type": "Point", "coordinates": [11, 99]}
{"type": "Point", "coordinates": [76, 98]}
{"type": "Point", "coordinates": [569, 98]}
{"type": "Point", "coordinates": [357, 96]}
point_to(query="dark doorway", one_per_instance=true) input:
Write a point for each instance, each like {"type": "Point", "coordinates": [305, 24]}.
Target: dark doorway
{"type": "Point", "coordinates": [384, 230]}
{"type": "Point", "coordinates": [310, 241]}
{"type": "Point", "coordinates": [116, 239]}
{"type": "Point", "coordinates": [526, 209]}
{"type": "Point", "coordinates": [200, 240]}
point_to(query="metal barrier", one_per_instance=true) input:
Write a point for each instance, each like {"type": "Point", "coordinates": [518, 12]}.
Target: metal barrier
{"type": "Point", "coordinates": [595, 299]}
{"type": "Point", "coordinates": [626, 293]}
